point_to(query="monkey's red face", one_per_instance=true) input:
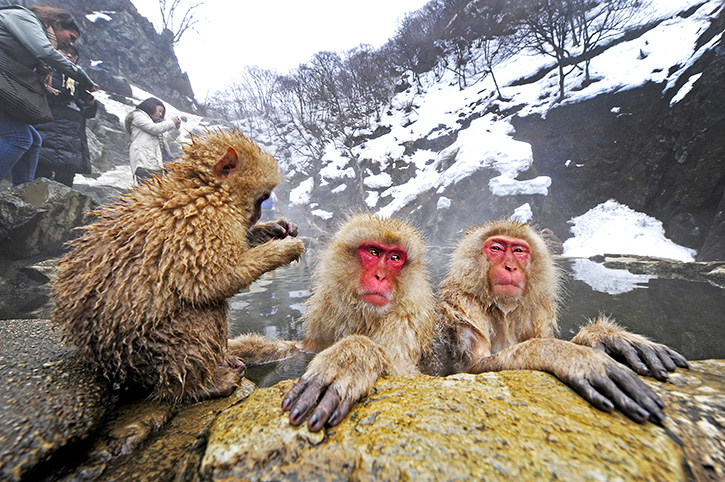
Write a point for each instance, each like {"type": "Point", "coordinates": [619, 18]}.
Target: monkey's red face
{"type": "Point", "coordinates": [381, 264]}
{"type": "Point", "coordinates": [508, 258]}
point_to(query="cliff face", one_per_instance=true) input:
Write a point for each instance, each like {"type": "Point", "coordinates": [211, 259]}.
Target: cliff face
{"type": "Point", "coordinates": [128, 48]}
{"type": "Point", "coordinates": [667, 161]}
{"type": "Point", "coordinates": [637, 146]}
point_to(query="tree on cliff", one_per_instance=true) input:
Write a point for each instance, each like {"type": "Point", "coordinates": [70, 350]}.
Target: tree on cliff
{"type": "Point", "coordinates": [172, 10]}
{"type": "Point", "coordinates": [569, 30]}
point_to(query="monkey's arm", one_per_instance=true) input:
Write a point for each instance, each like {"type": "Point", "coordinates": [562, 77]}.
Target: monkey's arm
{"type": "Point", "coordinates": [642, 355]}
{"type": "Point", "coordinates": [255, 349]}
{"type": "Point", "coordinates": [260, 233]}
{"type": "Point", "coordinates": [602, 381]}
{"type": "Point", "coordinates": [230, 273]}
{"type": "Point", "coordinates": [338, 377]}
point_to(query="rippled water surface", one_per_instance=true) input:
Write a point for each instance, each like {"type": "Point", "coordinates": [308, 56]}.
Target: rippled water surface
{"type": "Point", "coordinates": [686, 315]}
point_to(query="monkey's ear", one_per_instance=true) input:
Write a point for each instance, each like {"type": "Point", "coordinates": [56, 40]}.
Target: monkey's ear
{"type": "Point", "coordinates": [227, 165]}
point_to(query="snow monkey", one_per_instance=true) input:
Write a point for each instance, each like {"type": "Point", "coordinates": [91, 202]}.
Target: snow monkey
{"type": "Point", "coordinates": [143, 293]}
{"type": "Point", "coordinates": [497, 310]}
{"type": "Point", "coordinates": [369, 315]}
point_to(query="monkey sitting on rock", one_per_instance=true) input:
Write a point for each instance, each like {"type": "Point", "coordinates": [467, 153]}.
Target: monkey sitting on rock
{"type": "Point", "coordinates": [369, 315]}
{"type": "Point", "coordinates": [143, 293]}
{"type": "Point", "coordinates": [497, 310]}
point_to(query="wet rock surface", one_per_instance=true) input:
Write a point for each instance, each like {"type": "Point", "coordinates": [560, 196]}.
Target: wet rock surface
{"type": "Point", "coordinates": [38, 217]}
{"type": "Point", "coordinates": [517, 425]}
{"type": "Point", "coordinates": [144, 440]}
{"type": "Point", "coordinates": [59, 423]}
{"type": "Point", "coordinates": [47, 400]}
{"type": "Point", "coordinates": [712, 272]}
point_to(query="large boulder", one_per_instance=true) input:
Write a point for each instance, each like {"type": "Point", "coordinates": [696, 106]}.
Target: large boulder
{"type": "Point", "coordinates": [47, 400]}
{"type": "Point", "coordinates": [515, 425]}
{"type": "Point", "coordinates": [37, 218]}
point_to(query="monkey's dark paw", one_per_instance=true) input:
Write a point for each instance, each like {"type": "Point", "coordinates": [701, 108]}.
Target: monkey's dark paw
{"type": "Point", "coordinates": [264, 232]}
{"type": "Point", "coordinates": [290, 228]}
{"type": "Point", "coordinates": [645, 357]}
{"type": "Point", "coordinates": [305, 394]}
{"type": "Point", "coordinates": [235, 364]}
{"type": "Point", "coordinates": [620, 388]}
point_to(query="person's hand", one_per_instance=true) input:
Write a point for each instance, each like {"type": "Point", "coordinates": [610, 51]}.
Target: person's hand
{"type": "Point", "coordinates": [177, 121]}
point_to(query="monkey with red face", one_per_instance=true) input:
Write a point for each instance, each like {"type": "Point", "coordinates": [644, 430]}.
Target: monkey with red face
{"type": "Point", "coordinates": [369, 315]}
{"type": "Point", "coordinates": [497, 310]}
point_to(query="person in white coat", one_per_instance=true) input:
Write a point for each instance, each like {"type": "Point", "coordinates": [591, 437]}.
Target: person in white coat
{"type": "Point", "coordinates": [149, 146]}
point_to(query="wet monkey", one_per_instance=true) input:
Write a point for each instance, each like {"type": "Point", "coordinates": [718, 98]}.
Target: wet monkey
{"type": "Point", "coordinates": [369, 315]}
{"type": "Point", "coordinates": [143, 293]}
{"type": "Point", "coordinates": [497, 310]}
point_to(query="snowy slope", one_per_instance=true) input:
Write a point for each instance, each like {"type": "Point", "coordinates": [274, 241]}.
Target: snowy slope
{"type": "Point", "coordinates": [660, 55]}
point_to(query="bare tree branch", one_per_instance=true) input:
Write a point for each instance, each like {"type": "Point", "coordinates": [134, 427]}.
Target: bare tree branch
{"type": "Point", "coordinates": [170, 12]}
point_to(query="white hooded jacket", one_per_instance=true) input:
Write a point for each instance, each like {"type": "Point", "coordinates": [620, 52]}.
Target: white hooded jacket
{"type": "Point", "coordinates": [145, 150]}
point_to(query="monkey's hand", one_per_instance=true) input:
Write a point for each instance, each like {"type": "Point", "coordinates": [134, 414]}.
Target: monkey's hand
{"type": "Point", "coordinates": [602, 381]}
{"type": "Point", "coordinates": [235, 364]}
{"type": "Point", "coordinates": [335, 379]}
{"type": "Point", "coordinates": [260, 233]}
{"type": "Point", "coordinates": [642, 355]}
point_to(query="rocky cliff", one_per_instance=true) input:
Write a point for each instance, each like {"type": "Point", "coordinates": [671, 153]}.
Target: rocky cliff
{"type": "Point", "coordinates": [125, 49]}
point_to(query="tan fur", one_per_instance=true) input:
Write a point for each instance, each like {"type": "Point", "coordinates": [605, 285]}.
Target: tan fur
{"type": "Point", "coordinates": [356, 342]}
{"type": "Point", "coordinates": [334, 310]}
{"type": "Point", "coordinates": [467, 301]}
{"type": "Point", "coordinates": [480, 331]}
{"type": "Point", "coordinates": [596, 331]}
{"type": "Point", "coordinates": [142, 295]}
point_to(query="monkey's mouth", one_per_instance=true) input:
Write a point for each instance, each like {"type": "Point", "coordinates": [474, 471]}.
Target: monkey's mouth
{"type": "Point", "coordinates": [508, 288]}
{"type": "Point", "coordinates": [373, 298]}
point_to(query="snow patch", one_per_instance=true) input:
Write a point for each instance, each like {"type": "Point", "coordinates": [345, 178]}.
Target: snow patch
{"type": "Point", "coordinates": [613, 228]}
{"type": "Point", "coordinates": [523, 213]}
{"type": "Point", "coordinates": [301, 194]}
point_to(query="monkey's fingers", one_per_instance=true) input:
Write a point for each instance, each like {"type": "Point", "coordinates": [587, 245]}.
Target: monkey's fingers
{"type": "Point", "coordinates": [327, 406]}
{"type": "Point", "coordinates": [621, 348]}
{"type": "Point", "coordinates": [621, 400]}
{"type": "Point", "coordinates": [342, 410]}
{"type": "Point", "coordinates": [290, 228]}
{"type": "Point", "coordinates": [679, 360]}
{"type": "Point", "coordinates": [277, 231]}
{"type": "Point", "coordinates": [654, 362]}
{"type": "Point", "coordinates": [590, 394]}
{"type": "Point", "coordinates": [301, 398]}
{"type": "Point", "coordinates": [235, 364]}
{"type": "Point", "coordinates": [663, 353]}
{"type": "Point", "coordinates": [638, 391]}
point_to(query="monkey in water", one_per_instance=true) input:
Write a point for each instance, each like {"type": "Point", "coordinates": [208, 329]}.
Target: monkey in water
{"type": "Point", "coordinates": [497, 310]}
{"type": "Point", "coordinates": [143, 293]}
{"type": "Point", "coordinates": [369, 315]}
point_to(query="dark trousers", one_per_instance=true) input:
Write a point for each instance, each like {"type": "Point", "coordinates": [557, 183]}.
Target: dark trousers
{"type": "Point", "coordinates": [19, 149]}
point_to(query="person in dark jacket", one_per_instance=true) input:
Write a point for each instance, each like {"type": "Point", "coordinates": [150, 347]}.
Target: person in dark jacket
{"type": "Point", "coordinates": [31, 37]}
{"type": "Point", "coordinates": [65, 145]}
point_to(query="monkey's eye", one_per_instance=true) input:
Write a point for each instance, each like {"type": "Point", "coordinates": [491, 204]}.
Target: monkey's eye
{"type": "Point", "coordinates": [496, 247]}
{"type": "Point", "coordinates": [523, 250]}
{"type": "Point", "coordinates": [373, 252]}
